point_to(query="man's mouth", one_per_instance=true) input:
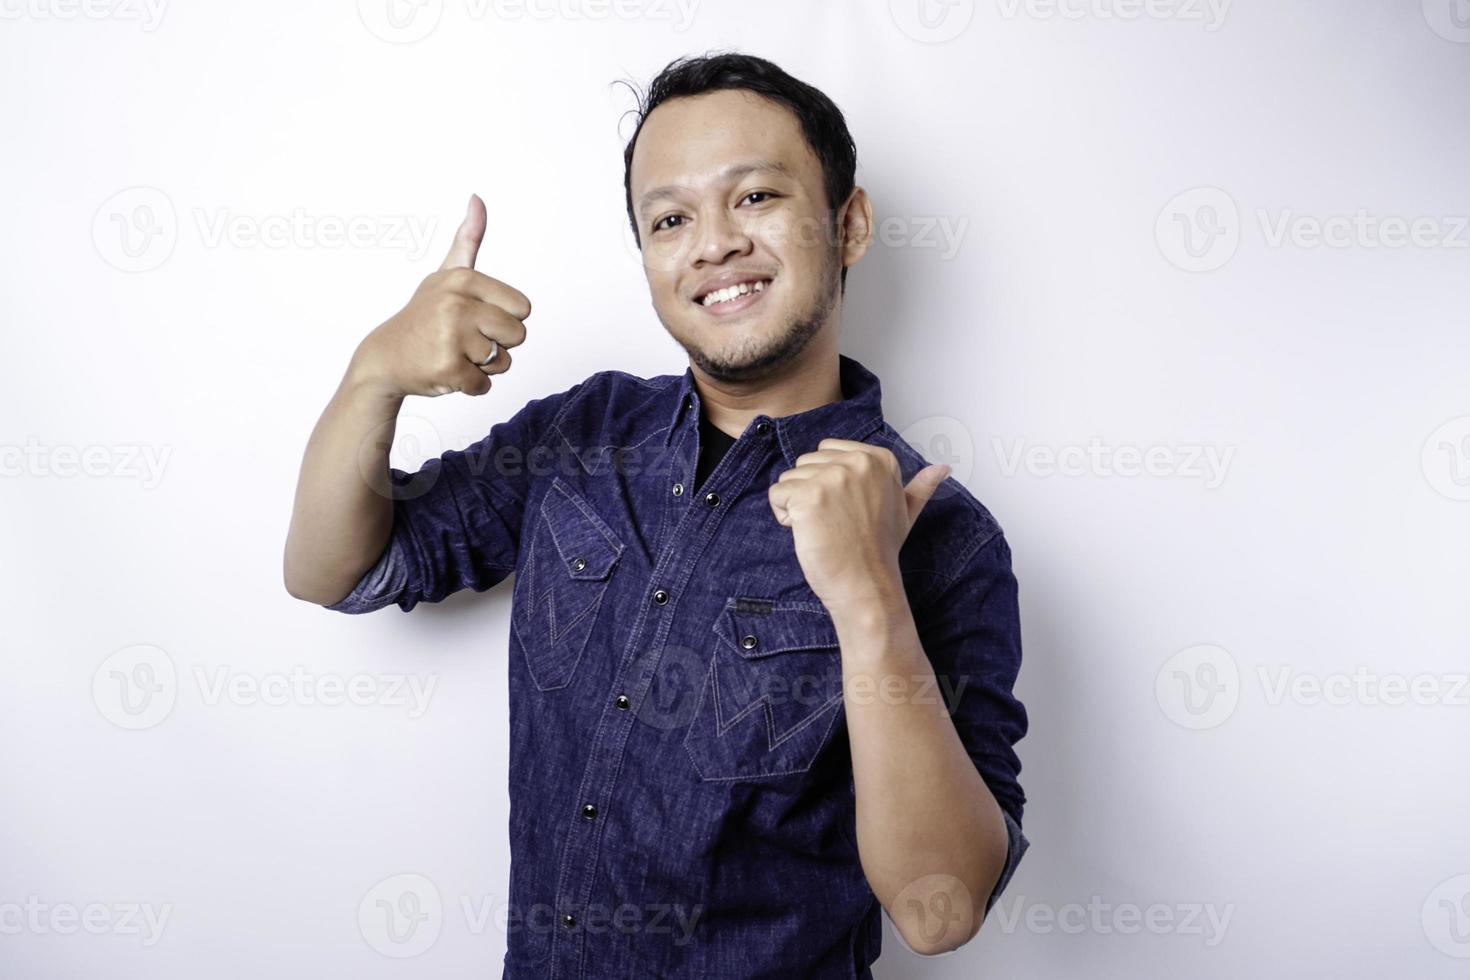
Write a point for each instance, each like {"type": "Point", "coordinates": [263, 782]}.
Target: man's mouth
{"type": "Point", "coordinates": [735, 297]}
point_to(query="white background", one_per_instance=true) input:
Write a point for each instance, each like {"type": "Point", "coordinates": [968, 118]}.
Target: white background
{"type": "Point", "coordinates": [1169, 775]}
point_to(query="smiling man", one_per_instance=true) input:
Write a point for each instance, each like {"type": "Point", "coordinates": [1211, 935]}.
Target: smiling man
{"type": "Point", "coordinates": [762, 652]}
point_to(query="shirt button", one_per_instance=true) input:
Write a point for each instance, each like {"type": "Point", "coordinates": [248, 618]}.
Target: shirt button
{"type": "Point", "coordinates": [568, 920]}
{"type": "Point", "coordinates": [660, 596]}
{"type": "Point", "coordinates": [589, 811]}
{"type": "Point", "coordinates": [622, 702]}
{"type": "Point", "coordinates": [712, 498]}
{"type": "Point", "coordinates": [678, 489]}
{"type": "Point", "coordinates": [578, 564]}
{"type": "Point", "coordinates": [748, 642]}
{"type": "Point", "coordinates": [763, 428]}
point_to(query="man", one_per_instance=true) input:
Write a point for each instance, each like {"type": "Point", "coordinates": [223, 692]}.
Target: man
{"type": "Point", "coordinates": [761, 667]}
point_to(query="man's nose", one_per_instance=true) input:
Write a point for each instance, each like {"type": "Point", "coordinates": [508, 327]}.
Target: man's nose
{"type": "Point", "coordinates": [721, 236]}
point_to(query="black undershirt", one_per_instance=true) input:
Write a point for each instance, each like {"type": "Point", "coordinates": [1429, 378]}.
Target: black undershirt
{"type": "Point", "coordinates": [713, 443]}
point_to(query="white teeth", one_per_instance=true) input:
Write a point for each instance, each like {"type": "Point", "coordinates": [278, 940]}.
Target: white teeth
{"type": "Point", "coordinates": [731, 292]}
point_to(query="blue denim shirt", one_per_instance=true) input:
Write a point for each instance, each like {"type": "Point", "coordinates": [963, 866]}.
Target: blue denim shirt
{"type": "Point", "coordinates": [681, 793]}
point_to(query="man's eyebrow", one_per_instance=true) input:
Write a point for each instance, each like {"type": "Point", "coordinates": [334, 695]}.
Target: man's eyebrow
{"type": "Point", "coordinates": [734, 171]}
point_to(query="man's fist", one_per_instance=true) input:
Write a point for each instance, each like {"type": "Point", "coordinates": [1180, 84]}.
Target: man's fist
{"type": "Point", "coordinates": [456, 319]}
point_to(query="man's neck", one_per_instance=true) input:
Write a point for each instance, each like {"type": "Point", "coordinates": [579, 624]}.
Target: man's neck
{"type": "Point", "coordinates": [806, 383]}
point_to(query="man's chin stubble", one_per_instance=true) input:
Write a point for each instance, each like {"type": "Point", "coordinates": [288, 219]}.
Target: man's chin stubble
{"type": "Point", "coordinates": [788, 343]}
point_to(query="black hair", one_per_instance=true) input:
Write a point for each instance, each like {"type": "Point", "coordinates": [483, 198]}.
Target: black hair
{"type": "Point", "coordinates": [822, 123]}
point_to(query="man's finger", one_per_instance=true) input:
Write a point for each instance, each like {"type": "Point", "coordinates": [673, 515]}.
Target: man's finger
{"type": "Point", "coordinates": [466, 245]}
{"type": "Point", "coordinates": [487, 289]}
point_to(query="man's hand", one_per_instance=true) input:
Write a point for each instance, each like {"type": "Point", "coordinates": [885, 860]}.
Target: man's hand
{"type": "Point", "coordinates": [435, 344]}
{"type": "Point", "coordinates": [849, 515]}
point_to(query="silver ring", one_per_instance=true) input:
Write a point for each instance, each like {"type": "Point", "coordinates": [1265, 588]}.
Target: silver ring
{"type": "Point", "coordinates": [494, 349]}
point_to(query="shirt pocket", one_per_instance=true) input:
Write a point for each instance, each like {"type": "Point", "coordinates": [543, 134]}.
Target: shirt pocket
{"type": "Point", "coordinates": [772, 691]}
{"type": "Point", "coordinates": [563, 580]}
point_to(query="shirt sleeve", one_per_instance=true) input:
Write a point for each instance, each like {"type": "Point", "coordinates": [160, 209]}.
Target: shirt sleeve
{"type": "Point", "coordinates": [457, 519]}
{"type": "Point", "coordinates": [971, 632]}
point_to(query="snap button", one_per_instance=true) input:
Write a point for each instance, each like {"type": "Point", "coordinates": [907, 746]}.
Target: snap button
{"type": "Point", "coordinates": [568, 920]}
{"type": "Point", "coordinates": [622, 701]}
{"type": "Point", "coordinates": [589, 811]}
{"type": "Point", "coordinates": [578, 564]}
{"type": "Point", "coordinates": [712, 498]}
{"type": "Point", "coordinates": [763, 427]}
{"type": "Point", "coordinates": [678, 489]}
{"type": "Point", "coordinates": [660, 596]}
{"type": "Point", "coordinates": [748, 642]}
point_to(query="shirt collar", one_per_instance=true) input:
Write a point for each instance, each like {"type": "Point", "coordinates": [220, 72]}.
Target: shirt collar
{"type": "Point", "coordinates": [857, 414]}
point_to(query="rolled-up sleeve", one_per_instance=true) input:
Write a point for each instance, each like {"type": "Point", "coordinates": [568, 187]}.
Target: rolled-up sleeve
{"type": "Point", "coordinates": [971, 632]}
{"type": "Point", "coordinates": [457, 519]}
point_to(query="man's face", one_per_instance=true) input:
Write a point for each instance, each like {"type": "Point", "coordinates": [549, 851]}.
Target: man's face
{"type": "Point", "coordinates": [727, 193]}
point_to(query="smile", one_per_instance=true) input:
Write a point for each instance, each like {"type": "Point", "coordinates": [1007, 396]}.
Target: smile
{"type": "Point", "coordinates": [734, 298]}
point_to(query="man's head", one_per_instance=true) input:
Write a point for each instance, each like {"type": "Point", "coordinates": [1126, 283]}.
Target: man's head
{"type": "Point", "coordinates": [739, 173]}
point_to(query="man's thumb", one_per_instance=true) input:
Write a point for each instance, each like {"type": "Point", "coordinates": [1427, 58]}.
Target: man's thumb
{"type": "Point", "coordinates": [466, 244]}
{"type": "Point", "coordinates": [922, 487]}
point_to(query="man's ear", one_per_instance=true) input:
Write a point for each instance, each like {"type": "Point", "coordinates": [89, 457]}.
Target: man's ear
{"type": "Point", "coordinates": [856, 226]}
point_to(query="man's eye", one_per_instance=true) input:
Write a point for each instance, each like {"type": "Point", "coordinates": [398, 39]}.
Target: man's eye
{"type": "Point", "coordinates": [757, 194]}
{"type": "Point", "coordinates": [659, 224]}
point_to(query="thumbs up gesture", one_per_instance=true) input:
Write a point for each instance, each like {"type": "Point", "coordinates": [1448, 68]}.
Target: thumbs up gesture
{"type": "Point", "coordinates": [454, 332]}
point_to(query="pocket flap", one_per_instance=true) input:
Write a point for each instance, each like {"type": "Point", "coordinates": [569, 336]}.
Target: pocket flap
{"type": "Point", "coordinates": [588, 547]}
{"type": "Point", "coordinates": [760, 627]}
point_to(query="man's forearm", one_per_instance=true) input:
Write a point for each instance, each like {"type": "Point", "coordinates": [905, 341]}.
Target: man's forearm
{"type": "Point", "coordinates": [343, 509]}
{"type": "Point", "coordinates": [931, 836]}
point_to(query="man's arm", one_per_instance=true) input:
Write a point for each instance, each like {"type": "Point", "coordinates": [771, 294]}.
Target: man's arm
{"type": "Point", "coordinates": [343, 513]}
{"type": "Point", "coordinates": [937, 799]}
{"type": "Point", "coordinates": [934, 841]}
